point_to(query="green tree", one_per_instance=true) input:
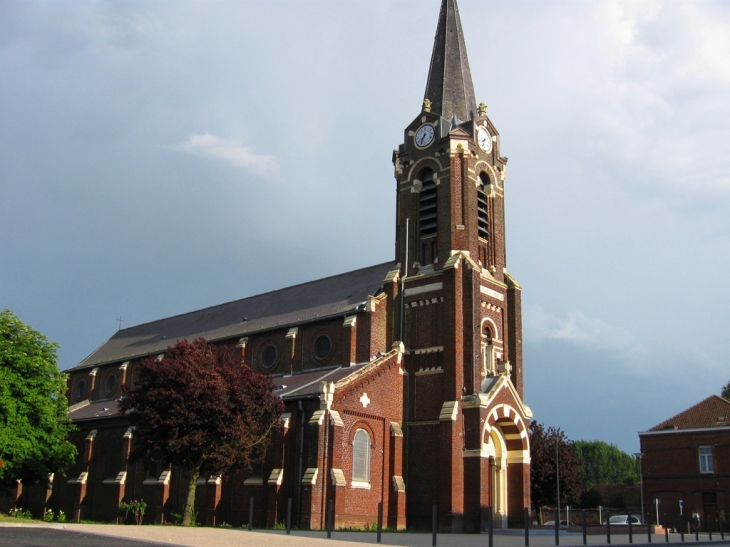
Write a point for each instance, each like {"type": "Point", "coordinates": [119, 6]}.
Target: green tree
{"type": "Point", "coordinates": [201, 410]}
{"type": "Point", "coordinates": [605, 463]}
{"type": "Point", "coordinates": [726, 391]}
{"type": "Point", "coordinates": [34, 423]}
{"type": "Point", "coordinates": [543, 473]}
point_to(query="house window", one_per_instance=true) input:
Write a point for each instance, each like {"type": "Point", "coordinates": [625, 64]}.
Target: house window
{"type": "Point", "coordinates": [268, 356]}
{"type": "Point", "coordinates": [256, 475]}
{"type": "Point", "coordinates": [111, 384]}
{"type": "Point", "coordinates": [74, 470]}
{"type": "Point", "coordinates": [361, 457]}
{"type": "Point", "coordinates": [151, 472]}
{"type": "Point", "coordinates": [706, 461]}
{"type": "Point", "coordinates": [113, 458]}
{"type": "Point", "coordinates": [80, 390]}
{"type": "Point", "coordinates": [322, 347]}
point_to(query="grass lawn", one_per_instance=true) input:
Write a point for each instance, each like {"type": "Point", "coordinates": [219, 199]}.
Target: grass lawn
{"type": "Point", "coordinates": [5, 518]}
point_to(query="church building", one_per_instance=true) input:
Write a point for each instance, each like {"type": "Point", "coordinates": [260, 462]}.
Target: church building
{"type": "Point", "coordinates": [402, 382]}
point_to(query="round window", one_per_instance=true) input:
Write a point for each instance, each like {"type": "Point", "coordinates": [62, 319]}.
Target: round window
{"type": "Point", "coordinates": [322, 346]}
{"type": "Point", "coordinates": [81, 389]}
{"type": "Point", "coordinates": [111, 383]}
{"type": "Point", "coordinates": [268, 356]}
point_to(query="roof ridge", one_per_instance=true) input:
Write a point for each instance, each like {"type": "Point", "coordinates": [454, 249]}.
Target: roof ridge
{"type": "Point", "coordinates": [688, 412]}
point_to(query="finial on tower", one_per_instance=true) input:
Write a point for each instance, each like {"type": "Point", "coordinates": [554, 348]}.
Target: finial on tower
{"type": "Point", "coordinates": [482, 109]}
{"type": "Point", "coordinates": [449, 86]}
{"type": "Point", "coordinates": [426, 105]}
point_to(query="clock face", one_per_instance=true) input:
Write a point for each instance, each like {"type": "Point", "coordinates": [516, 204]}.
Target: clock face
{"type": "Point", "coordinates": [424, 135]}
{"type": "Point", "coordinates": [484, 139]}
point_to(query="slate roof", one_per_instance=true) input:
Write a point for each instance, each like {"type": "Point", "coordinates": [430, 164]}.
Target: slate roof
{"type": "Point", "coordinates": [329, 297]}
{"type": "Point", "coordinates": [300, 385]}
{"type": "Point", "coordinates": [308, 383]}
{"type": "Point", "coordinates": [98, 409]}
{"type": "Point", "coordinates": [712, 412]}
{"type": "Point", "coordinates": [449, 87]}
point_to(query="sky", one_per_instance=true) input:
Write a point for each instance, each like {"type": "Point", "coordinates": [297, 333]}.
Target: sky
{"type": "Point", "coordinates": [160, 157]}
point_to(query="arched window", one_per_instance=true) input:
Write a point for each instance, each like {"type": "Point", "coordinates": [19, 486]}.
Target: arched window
{"type": "Point", "coordinates": [361, 456]}
{"type": "Point", "coordinates": [482, 214]}
{"type": "Point", "coordinates": [489, 368]}
{"type": "Point", "coordinates": [113, 458]}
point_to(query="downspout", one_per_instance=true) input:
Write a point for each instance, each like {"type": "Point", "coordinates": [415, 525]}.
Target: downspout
{"type": "Point", "coordinates": [406, 438]}
{"type": "Point", "coordinates": [403, 287]}
{"type": "Point", "coordinates": [301, 463]}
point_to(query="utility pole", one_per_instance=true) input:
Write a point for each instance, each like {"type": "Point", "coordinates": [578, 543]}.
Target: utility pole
{"type": "Point", "coordinates": [640, 455]}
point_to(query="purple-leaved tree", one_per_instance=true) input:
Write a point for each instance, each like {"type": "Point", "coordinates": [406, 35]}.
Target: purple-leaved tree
{"type": "Point", "coordinates": [202, 410]}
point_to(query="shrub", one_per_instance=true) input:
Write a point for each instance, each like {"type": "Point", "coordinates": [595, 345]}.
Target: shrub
{"type": "Point", "coordinates": [137, 508]}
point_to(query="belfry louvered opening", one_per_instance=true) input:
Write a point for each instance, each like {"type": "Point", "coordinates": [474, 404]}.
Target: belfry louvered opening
{"type": "Point", "coordinates": [361, 456]}
{"type": "Point", "coordinates": [483, 215]}
{"type": "Point", "coordinates": [427, 204]}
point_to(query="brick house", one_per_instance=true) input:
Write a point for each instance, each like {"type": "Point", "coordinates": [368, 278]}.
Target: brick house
{"type": "Point", "coordinates": [402, 382]}
{"type": "Point", "coordinates": [687, 458]}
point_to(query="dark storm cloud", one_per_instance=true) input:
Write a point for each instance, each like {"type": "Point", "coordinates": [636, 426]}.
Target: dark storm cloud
{"type": "Point", "coordinates": [160, 157]}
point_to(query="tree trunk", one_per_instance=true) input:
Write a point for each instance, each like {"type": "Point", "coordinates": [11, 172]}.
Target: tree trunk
{"type": "Point", "coordinates": [190, 502]}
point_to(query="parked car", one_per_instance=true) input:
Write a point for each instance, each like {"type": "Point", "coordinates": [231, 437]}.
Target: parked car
{"type": "Point", "coordinates": [623, 520]}
{"type": "Point", "coordinates": [562, 523]}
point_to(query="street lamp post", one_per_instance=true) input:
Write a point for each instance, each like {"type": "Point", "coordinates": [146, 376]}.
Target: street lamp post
{"type": "Point", "coordinates": [640, 455]}
{"type": "Point", "coordinates": [558, 438]}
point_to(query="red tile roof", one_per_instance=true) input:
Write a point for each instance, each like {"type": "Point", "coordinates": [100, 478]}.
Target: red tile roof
{"type": "Point", "coordinates": [712, 412]}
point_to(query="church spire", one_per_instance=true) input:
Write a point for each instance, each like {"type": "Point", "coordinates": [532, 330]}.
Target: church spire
{"type": "Point", "coordinates": [449, 86]}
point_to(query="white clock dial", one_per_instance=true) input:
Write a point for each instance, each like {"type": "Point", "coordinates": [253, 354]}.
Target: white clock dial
{"type": "Point", "coordinates": [424, 135]}
{"type": "Point", "coordinates": [484, 139]}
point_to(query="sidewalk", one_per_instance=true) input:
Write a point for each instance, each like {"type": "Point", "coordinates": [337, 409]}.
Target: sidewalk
{"type": "Point", "coordinates": [228, 537]}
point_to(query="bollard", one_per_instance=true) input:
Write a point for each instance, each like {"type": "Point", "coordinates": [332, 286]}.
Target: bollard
{"type": "Point", "coordinates": [608, 527]}
{"type": "Point", "coordinates": [557, 526]}
{"type": "Point", "coordinates": [722, 529]}
{"type": "Point", "coordinates": [527, 527]}
{"type": "Point", "coordinates": [708, 526]}
{"type": "Point", "coordinates": [631, 529]}
{"type": "Point", "coordinates": [697, 528]}
{"type": "Point", "coordinates": [434, 524]}
{"type": "Point", "coordinates": [330, 517]}
{"type": "Point", "coordinates": [648, 527]}
{"type": "Point", "coordinates": [681, 526]}
{"type": "Point", "coordinates": [585, 529]}
{"type": "Point", "coordinates": [250, 514]}
{"type": "Point", "coordinates": [288, 516]}
{"type": "Point", "coordinates": [491, 526]}
{"type": "Point", "coordinates": [666, 529]}
{"type": "Point", "coordinates": [380, 520]}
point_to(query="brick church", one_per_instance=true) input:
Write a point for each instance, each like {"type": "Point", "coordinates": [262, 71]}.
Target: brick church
{"type": "Point", "coordinates": [402, 382]}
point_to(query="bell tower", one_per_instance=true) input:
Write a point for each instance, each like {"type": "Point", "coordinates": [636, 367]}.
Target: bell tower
{"type": "Point", "coordinates": [451, 164]}
{"type": "Point", "coordinates": [461, 311]}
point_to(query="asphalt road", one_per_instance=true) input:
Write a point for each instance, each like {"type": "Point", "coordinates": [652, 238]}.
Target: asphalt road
{"type": "Point", "coordinates": [99, 535]}
{"type": "Point", "coordinates": [49, 537]}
